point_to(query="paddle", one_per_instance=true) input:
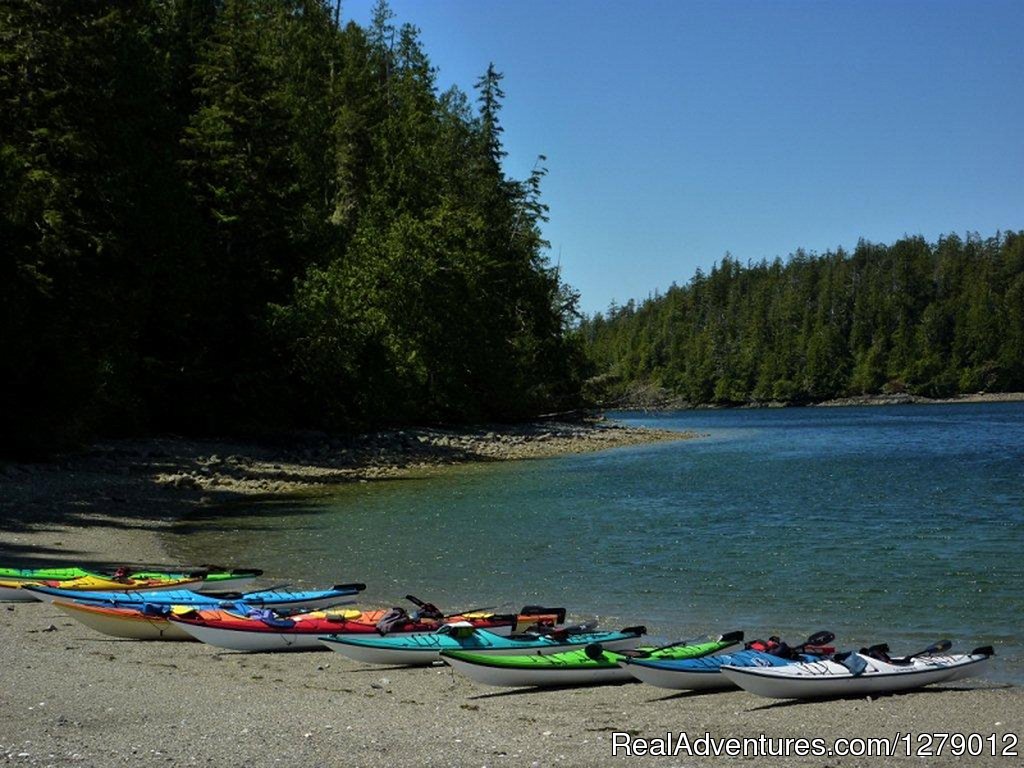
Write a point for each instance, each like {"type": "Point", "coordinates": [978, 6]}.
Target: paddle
{"type": "Point", "coordinates": [230, 597]}
{"type": "Point", "coordinates": [427, 610]}
{"type": "Point", "coordinates": [431, 611]}
{"type": "Point", "coordinates": [236, 572]}
{"type": "Point", "coordinates": [818, 638]}
{"type": "Point", "coordinates": [883, 648]}
{"type": "Point", "coordinates": [564, 633]}
{"type": "Point", "coordinates": [481, 609]}
{"type": "Point", "coordinates": [940, 647]}
{"type": "Point", "coordinates": [881, 652]}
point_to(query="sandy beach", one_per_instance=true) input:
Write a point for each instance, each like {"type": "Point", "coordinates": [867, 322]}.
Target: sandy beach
{"type": "Point", "coordinates": [69, 696]}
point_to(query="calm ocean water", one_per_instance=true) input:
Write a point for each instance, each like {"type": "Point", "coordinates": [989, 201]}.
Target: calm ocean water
{"type": "Point", "coordinates": [896, 524]}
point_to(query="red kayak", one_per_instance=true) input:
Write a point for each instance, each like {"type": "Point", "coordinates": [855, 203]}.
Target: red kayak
{"type": "Point", "coordinates": [267, 631]}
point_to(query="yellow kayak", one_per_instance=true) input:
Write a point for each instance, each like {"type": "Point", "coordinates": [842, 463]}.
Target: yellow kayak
{"type": "Point", "coordinates": [11, 591]}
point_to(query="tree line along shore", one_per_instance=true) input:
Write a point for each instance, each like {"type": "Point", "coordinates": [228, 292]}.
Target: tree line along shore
{"type": "Point", "coordinates": [913, 320]}
{"type": "Point", "coordinates": [255, 217]}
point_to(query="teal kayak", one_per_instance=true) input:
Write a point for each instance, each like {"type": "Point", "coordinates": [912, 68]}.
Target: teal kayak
{"type": "Point", "coordinates": [421, 650]}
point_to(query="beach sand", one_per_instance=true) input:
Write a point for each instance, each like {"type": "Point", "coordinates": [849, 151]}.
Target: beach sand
{"type": "Point", "coordinates": [69, 696]}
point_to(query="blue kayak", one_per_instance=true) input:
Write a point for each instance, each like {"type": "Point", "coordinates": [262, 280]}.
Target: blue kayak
{"type": "Point", "coordinates": [278, 599]}
{"type": "Point", "coordinates": [424, 649]}
{"type": "Point", "coordinates": [705, 673]}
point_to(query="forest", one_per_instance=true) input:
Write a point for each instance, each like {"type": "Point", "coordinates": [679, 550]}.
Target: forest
{"type": "Point", "coordinates": [934, 319]}
{"type": "Point", "coordinates": [251, 216]}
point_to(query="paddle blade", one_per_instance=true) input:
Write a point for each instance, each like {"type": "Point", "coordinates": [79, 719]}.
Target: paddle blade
{"type": "Point", "coordinates": [732, 637]}
{"type": "Point", "coordinates": [637, 630]}
{"type": "Point", "coordinates": [985, 650]}
{"type": "Point", "coordinates": [820, 638]}
{"type": "Point", "coordinates": [350, 588]}
{"type": "Point", "coordinates": [940, 647]}
{"type": "Point", "coordinates": [594, 651]}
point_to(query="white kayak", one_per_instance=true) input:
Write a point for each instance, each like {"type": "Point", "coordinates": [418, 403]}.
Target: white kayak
{"type": "Point", "coordinates": [857, 675]}
{"type": "Point", "coordinates": [703, 674]}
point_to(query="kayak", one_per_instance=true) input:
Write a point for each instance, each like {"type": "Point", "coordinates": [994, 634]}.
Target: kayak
{"type": "Point", "coordinates": [148, 623]}
{"type": "Point", "coordinates": [857, 674]}
{"type": "Point", "coordinates": [592, 665]}
{"type": "Point", "coordinates": [425, 649]}
{"type": "Point", "coordinates": [214, 577]}
{"type": "Point", "coordinates": [19, 591]}
{"type": "Point", "coordinates": [272, 598]}
{"type": "Point", "coordinates": [13, 592]}
{"type": "Point", "coordinates": [215, 580]}
{"type": "Point", "coordinates": [262, 632]}
{"type": "Point", "coordinates": [705, 673]}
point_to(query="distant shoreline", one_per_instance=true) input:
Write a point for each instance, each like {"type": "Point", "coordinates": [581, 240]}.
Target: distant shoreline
{"type": "Point", "coordinates": [903, 399]}
{"type": "Point", "coordinates": [657, 399]}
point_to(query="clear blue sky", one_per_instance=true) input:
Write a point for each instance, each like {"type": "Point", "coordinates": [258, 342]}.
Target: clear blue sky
{"type": "Point", "coordinates": [677, 131]}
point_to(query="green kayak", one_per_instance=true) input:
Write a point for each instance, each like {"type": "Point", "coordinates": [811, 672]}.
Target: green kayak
{"type": "Point", "coordinates": [588, 666]}
{"type": "Point", "coordinates": [214, 577]}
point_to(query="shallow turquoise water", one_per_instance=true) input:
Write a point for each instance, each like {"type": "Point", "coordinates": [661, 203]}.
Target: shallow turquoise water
{"type": "Point", "coordinates": [897, 524]}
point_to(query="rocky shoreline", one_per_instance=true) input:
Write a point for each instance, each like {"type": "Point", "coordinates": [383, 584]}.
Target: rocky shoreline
{"type": "Point", "coordinates": [654, 398]}
{"type": "Point", "coordinates": [148, 484]}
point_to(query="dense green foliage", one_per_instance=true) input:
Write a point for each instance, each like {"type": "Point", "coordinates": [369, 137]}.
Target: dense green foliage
{"type": "Point", "coordinates": [934, 320]}
{"type": "Point", "coordinates": [242, 215]}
